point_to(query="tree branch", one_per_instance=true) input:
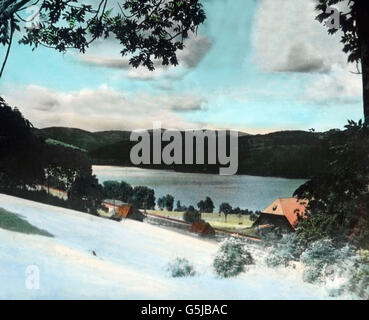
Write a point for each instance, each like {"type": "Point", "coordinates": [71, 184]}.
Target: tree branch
{"type": "Point", "coordinates": [8, 50]}
{"type": "Point", "coordinates": [9, 7]}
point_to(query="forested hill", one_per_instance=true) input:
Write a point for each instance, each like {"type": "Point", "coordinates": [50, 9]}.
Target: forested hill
{"type": "Point", "coordinates": [83, 139]}
{"type": "Point", "coordinates": [290, 154]}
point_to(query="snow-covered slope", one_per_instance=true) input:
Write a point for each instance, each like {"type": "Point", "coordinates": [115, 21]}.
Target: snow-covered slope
{"type": "Point", "coordinates": [130, 262]}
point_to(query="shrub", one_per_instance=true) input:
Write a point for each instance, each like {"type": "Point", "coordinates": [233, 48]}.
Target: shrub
{"type": "Point", "coordinates": [287, 249]}
{"type": "Point", "coordinates": [323, 259]}
{"type": "Point", "coordinates": [253, 217]}
{"type": "Point", "coordinates": [181, 267]}
{"type": "Point", "coordinates": [191, 215]}
{"type": "Point", "coordinates": [318, 227]}
{"type": "Point", "coordinates": [359, 283]}
{"type": "Point", "coordinates": [231, 259]}
{"type": "Point", "coordinates": [313, 274]}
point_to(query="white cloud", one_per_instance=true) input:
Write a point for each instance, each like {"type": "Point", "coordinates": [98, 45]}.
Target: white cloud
{"type": "Point", "coordinates": [287, 38]}
{"type": "Point", "coordinates": [102, 109]}
{"type": "Point", "coordinates": [339, 86]}
{"type": "Point", "coordinates": [107, 55]}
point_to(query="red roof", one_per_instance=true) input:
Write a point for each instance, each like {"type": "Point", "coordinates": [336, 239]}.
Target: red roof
{"type": "Point", "coordinates": [125, 211]}
{"type": "Point", "coordinates": [202, 228]}
{"type": "Point", "coordinates": [292, 208]}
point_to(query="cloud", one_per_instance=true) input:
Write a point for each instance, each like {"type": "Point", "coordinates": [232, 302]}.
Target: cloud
{"type": "Point", "coordinates": [102, 109]}
{"type": "Point", "coordinates": [95, 60]}
{"type": "Point", "coordinates": [288, 38]}
{"type": "Point", "coordinates": [101, 54]}
{"type": "Point", "coordinates": [195, 50]}
{"type": "Point", "coordinates": [337, 87]}
{"type": "Point", "coordinates": [301, 59]}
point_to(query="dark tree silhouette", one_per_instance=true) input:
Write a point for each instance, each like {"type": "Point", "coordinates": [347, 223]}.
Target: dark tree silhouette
{"type": "Point", "coordinates": [148, 30]}
{"type": "Point", "coordinates": [206, 205]}
{"type": "Point", "coordinates": [143, 198]}
{"type": "Point", "coordinates": [191, 215]}
{"type": "Point", "coordinates": [225, 208]}
{"type": "Point", "coordinates": [161, 203]}
{"type": "Point", "coordinates": [339, 197]}
{"type": "Point", "coordinates": [166, 202]}
{"type": "Point", "coordinates": [86, 193]}
{"type": "Point", "coordinates": [355, 27]}
{"type": "Point", "coordinates": [19, 150]}
{"type": "Point", "coordinates": [118, 190]}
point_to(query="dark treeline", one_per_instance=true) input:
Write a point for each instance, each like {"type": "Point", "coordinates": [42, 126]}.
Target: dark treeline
{"type": "Point", "coordinates": [290, 154]}
{"type": "Point", "coordinates": [27, 163]}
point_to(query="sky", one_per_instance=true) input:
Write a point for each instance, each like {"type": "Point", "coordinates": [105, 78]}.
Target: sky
{"type": "Point", "coordinates": [256, 66]}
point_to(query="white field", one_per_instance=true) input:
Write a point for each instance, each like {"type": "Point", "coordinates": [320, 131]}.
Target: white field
{"type": "Point", "coordinates": [130, 263]}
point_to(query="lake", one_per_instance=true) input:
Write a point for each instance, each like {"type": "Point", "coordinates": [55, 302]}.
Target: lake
{"type": "Point", "coordinates": [246, 192]}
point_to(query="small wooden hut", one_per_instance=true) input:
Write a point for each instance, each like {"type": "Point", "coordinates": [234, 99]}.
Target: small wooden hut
{"type": "Point", "coordinates": [202, 228]}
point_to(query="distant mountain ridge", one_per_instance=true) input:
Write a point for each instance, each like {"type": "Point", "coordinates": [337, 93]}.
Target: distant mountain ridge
{"type": "Point", "coordinates": [83, 139]}
{"type": "Point", "coordinates": [290, 154]}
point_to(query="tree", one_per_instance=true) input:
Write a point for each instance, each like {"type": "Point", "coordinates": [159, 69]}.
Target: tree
{"type": "Point", "coordinates": [225, 208]}
{"type": "Point", "coordinates": [161, 203]}
{"type": "Point", "coordinates": [62, 165]}
{"type": "Point", "coordinates": [20, 150]}
{"type": "Point", "coordinates": [339, 197]}
{"type": "Point", "coordinates": [355, 27]}
{"type": "Point", "coordinates": [125, 192]}
{"type": "Point", "coordinates": [118, 190]}
{"type": "Point", "coordinates": [166, 202]}
{"type": "Point", "coordinates": [237, 210]}
{"type": "Point", "coordinates": [201, 205]}
{"type": "Point", "coordinates": [147, 30]}
{"type": "Point", "coordinates": [179, 207]}
{"type": "Point", "coordinates": [191, 215]}
{"type": "Point", "coordinates": [206, 206]}
{"type": "Point", "coordinates": [143, 198]}
{"type": "Point", "coordinates": [86, 193]}
{"type": "Point", "coordinates": [111, 189]}
{"type": "Point", "coordinates": [209, 205]}
{"type": "Point", "coordinates": [169, 202]}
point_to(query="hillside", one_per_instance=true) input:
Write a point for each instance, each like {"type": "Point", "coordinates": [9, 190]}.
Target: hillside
{"type": "Point", "coordinates": [81, 138]}
{"type": "Point", "coordinates": [103, 259]}
{"type": "Point", "coordinates": [290, 154]}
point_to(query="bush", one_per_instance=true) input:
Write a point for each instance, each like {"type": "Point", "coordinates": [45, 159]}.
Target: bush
{"type": "Point", "coordinates": [231, 259]}
{"type": "Point", "coordinates": [253, 217]}
{"type": "Point", "coordinates": [318, 227]}
{"type": "Point", "coordinates": [181, 267]}
{"type": "Point", "coordinates": [323, 259]}
{"type": "Point", "coordinates": [191, 215]}
{"type": "Point", "coordinates": [359, 283]}
{"type": "Point", "coordinates": [287, 249]}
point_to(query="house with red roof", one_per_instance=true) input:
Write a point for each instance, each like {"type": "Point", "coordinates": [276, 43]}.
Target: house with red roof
{"type": "Point", "coordinates": [284, 213]}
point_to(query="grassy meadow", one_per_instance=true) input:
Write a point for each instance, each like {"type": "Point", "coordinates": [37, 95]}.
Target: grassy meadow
{"type": "Point", "coordinates": [234, 223]}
